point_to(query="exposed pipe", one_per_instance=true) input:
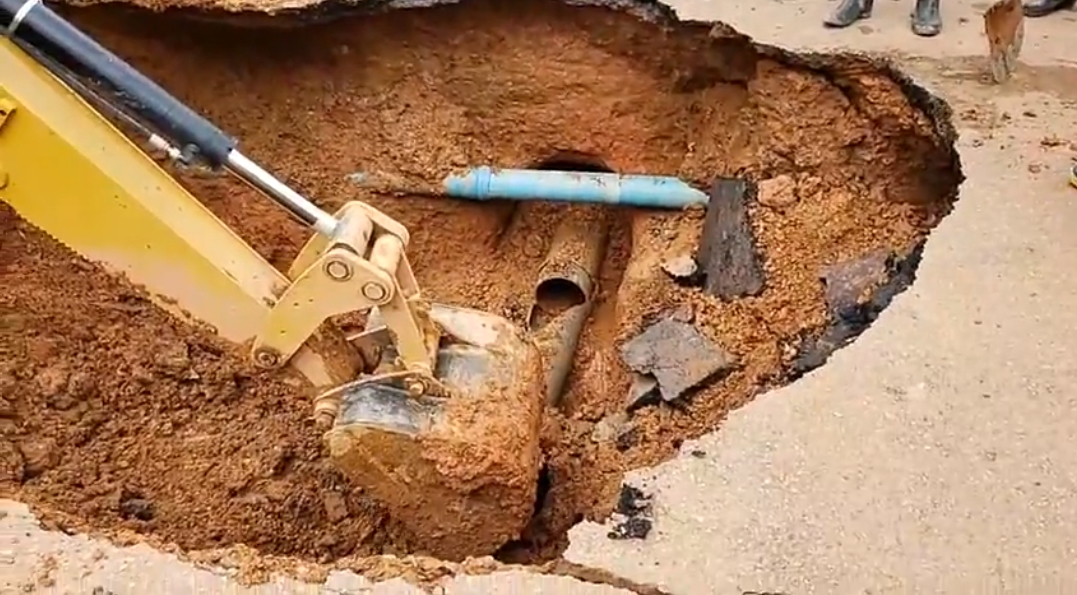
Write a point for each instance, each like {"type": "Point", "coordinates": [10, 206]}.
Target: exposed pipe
{"type": "Point", "coordinates": [487, 183]}
{"type": "Point", "coordinates": [564, 294]}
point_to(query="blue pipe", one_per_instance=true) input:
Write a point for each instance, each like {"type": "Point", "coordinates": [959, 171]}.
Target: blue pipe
{"type": "Point", "coordinates": [486, 183]}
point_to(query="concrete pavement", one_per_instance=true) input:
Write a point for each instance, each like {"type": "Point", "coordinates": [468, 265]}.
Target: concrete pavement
{"type": "Point", "coordinates": [930, 456]}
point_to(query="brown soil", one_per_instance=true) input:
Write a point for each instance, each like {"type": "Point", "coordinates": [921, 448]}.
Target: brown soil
{"type": "Point", "coordinates": [127, 419]}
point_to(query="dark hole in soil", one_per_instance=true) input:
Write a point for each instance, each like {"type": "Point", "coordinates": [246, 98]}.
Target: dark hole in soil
{"type": "Point", "coordinates": [522, 551]}
{"type": "Point", "coordinates": [573, 161]}
{"type": "Point", "coordinates": [88, 398]}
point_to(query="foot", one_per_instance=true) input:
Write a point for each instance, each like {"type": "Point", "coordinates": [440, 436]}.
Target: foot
{"type": "Point", "coordinates": [1042, 8]}
{"type": "Point", "coordinates": [926, 20]}
{"type": "Point", "coordinates": [849, 12]}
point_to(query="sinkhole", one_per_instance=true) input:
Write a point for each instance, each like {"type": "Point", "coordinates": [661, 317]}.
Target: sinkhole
{"type": "Point", "coordinates": [827, 171]}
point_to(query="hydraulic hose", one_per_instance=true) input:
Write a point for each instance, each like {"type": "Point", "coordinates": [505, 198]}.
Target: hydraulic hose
{"type": "Point", "coordinates": [49, 33]}
{"type": "Point", "coordinates": [31, 23]}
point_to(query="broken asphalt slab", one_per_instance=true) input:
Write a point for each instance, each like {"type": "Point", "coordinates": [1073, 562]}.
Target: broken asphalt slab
{"type": "Point", "coordinates": [728, 257]}
{"type": "Point", "coordinates": [856, 291]}
{"type": "Point", "coordinates": [672, 356]}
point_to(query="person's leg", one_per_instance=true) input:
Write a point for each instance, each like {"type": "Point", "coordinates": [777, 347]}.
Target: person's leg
{"type": "Point", "coordinates": [926, 20]}
{"type": "Point", "coordinates": [1041, 8]}
{"type": "Point", "coordinates": [849, 12]}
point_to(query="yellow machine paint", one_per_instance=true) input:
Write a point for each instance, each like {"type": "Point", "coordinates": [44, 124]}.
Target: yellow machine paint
{"type": "Point", "coordinates": [79, 179]}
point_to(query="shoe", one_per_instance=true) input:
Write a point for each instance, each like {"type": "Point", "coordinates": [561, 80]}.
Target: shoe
{"type": "Point", "coordinates": [1041, 8]}
{"type": "Point", "coordinates": [849, 12]}
{"type": "Point", "coordinates": [926, 19]}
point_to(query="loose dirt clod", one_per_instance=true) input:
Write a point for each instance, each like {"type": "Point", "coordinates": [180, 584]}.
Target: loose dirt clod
{"type": "Point", "coordinates": [127, 420]}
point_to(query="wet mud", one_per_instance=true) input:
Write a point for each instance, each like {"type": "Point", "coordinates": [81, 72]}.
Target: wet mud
{"type": "Point", "coordinates": [116, 418]}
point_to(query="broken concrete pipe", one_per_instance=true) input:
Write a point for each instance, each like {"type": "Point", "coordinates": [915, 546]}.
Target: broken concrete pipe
{"type": "Point", "coordinates": [489, 183]}
{"type": "Point", "coordinates": [563, 296]}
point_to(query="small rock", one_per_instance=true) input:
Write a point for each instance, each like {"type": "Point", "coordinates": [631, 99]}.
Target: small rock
{"type": "Point", "coordinates": [849, 284]}
{"type": "Point", "coordinates": [62, 402]}
{"type": "Point", "coordinates": [51, 381]}
{"type": "Point", "coordinates": [610, 428]}
{"type": "Point", "coordinates": [633, 516]}
{"type": "Point", "coordinates": [1051, 141]}
{"type": "Point", "coordinates": [12, 468]}
{"type": "Point", "coordinates": [174, 358]}
{"type": "Point", "coordinates": [631, 528]}
{"type": "Point", "coordinates": [137, 508]}
{"type": "Point", "coordinates": [81, 386]}
{"type": "Point", "coordinates": [277, 490]}
{"type": "Point", "coordinates": [779, 192]}
{"type": "Point", "coordinates": [644, 391]}
{"type": "Point", "coordinates": [336, 508]}
{"type": "Point", "coordinates": [8, 386]}
{"type": "Point", "coordinates": [676, 355]}
{"type": "Point", "coordinates": [12, 322]}
{"type": "Point", "coordinates": [39, 456]}
{"type": "Point", "coordinates": [278, 460]}
{"type": "Point", "coordinates": [627, 440]}
{"type": "Point", "coordinates": [681, 267]}
{"type": "Point", "coordinates": [682, 313]}
{"type": "Point", "coordinates": [7, 557]}
{"type": "Point", "coordinates": [7, 408]}
{"type": "Point", "coordinates": [141, 375]}
{"type": "Point", "coordinates": [632, 501]}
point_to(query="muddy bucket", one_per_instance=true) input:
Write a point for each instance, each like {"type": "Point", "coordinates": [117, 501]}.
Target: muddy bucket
{"type": "Point", "coordinates": [458, 470]}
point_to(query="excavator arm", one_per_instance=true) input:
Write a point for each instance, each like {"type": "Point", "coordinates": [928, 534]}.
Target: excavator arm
{"type": "Point", "coordinates": [402, 401]}
{"type": "Point", "coordinates": [70, 172]}
{"type": "Point", "coordinates": [355, 261]}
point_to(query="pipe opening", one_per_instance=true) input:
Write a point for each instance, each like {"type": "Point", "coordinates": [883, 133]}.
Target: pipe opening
{"type": "Point", "coordinates": [554, 297]}
{"type": "Point", "coordinates": [573, 161]}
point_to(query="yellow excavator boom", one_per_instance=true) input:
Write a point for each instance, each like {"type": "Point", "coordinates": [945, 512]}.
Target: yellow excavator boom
{"type": "Point", "coordinates": [74, 175]}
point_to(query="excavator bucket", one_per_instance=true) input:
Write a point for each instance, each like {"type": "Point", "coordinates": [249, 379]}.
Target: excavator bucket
{"type": "Point", "coordinates": [459, 469]}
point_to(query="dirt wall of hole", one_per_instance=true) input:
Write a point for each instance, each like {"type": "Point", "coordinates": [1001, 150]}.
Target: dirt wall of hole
{"type": "Point", "coordinates": [124, 420]}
